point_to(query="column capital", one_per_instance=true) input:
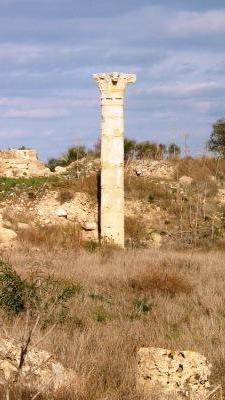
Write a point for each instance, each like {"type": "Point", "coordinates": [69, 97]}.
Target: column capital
{"type": "Point", "coordinates": [113, 84]}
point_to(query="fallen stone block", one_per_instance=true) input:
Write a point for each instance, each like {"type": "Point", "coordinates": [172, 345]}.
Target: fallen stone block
{"type": "Point", "coordinates": [185, 374]}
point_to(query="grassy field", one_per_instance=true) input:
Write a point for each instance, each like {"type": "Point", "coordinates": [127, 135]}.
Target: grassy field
{"type": "Point", "coordinates": [125, 300]}
{"type": "Point", "coordinates": [111, 302]}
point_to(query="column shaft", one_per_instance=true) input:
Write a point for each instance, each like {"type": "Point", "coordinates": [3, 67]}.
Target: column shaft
{"type": "Point", "coordinates": [112, 172]}
{"type": "Point", "coordinates": [112, 86]}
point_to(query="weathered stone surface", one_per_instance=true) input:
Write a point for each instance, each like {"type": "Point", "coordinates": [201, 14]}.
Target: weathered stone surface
{"type": "Point", "coordinates": [61, 212]}
{"type": "Point", "coordinates": [40, 370]}
{"type": "Point", "coordinates": [151, 169]}
{"type": "Point", "coordinates": [60, 170]}
{"type": "Point", "coordinates": [21, 163]}
{"type": "Point", "coordinates": [156, 238]}
{"type": "Point", "coordinates": [112, 86]}
{"type": "Point", "coordinates": [90, 226]}
{"type": "Point", "coordinates": [183, 373]}
{"type": "Point", "coordinates": [7, 235]}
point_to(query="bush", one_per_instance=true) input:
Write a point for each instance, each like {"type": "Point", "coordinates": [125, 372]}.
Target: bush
{"type": "Point", "coordinates": [167, 282]}
{"type": "Point", "coordinates": [65, 195]}
{"type": "Point", "coordinates": [135, 233]}
{"type": "Point", "coordinates": [40, 294]}
{"type": "Point", "coordinates": [13, 290]}
{"type": "Point", "coordinates": [216, 141]}
{"type": "Point", "coordinates": [74, 153]}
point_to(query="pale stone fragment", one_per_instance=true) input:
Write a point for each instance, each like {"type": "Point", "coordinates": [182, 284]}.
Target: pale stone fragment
{"type": "Point", "coordinates": [90, 226]}
{"type": "Point", "coordinates": [61, 212]}
{"type": "Point", "coordinates": [7, 235]}
{"type": "Point", "coordinates": [40, 370]}
{"type": "Point", "coordinates": [185, 373]}
{"type": "Point", "coordinates": [156, 238]}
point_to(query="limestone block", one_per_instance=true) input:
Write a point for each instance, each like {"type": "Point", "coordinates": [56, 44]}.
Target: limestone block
{"type": "Point", "coordinates": [60, 170]}
{"type": "Point", "coordinates": [61, 212]}
{"type": "Point", "coordinates": [90, 226]}
{"type": "Point", "coordinates": [185, 373]}
{"type": "Point", "coordinates": [40, 370]}
{"type": "Point", "coordinates": [7, 235]}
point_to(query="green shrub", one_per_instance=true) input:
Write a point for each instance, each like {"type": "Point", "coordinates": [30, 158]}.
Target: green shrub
{"type": "Point", "coordinates": [142, 305]}
{"type": "Point", "coordinates": [90, 246]}
{"type": "Point", "coordinates": [41, 295]}
{"type": "Point", "coordinates": [15, 293]}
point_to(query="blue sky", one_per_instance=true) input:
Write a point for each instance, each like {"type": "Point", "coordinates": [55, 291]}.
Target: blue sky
{"type": "Point", "coordinates": [50, 48]}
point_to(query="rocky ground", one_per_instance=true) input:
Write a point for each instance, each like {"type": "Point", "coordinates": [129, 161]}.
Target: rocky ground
{"type": "Point", "coordinates": [163, 206]}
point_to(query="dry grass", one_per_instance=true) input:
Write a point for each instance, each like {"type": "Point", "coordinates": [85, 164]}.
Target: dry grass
{"type": "Point", "coordinates": [200, 168]}
{"type": "Point", "coordinates": [135, 231]}
{"type": "Point", "coordinates": [65, 195]}
{"type": "Point", "coordinates": [67, 236]}
{"type": "Point", "coordinates": [84, 184]}
{"type": "Point", "coordinates": [171, 283]}
{"type": "Point", "coordinates": [130, 299]}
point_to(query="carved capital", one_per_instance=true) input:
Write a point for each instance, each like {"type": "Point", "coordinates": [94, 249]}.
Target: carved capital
{"type": "Point", "coordinates": [113, 84]}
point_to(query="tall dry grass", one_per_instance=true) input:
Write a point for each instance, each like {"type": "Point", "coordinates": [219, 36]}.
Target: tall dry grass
{"type": "Point", "coordinates": [129, 299]}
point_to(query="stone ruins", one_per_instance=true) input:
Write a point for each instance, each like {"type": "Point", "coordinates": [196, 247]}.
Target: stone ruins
{"type": "Point", "coordinates": [112, 87]}
{"type": "Point", "coordinates": [21, 163]}
{"type": "Point", "coordinates": [183, 374]}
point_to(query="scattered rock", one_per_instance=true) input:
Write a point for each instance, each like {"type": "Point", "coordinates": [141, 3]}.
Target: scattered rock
{"type": "Point", "coordinates": [7, 235]}
{"type": "Point", "coordinates": [90, 226]}
{"type": "Point", "coordinates": [156, 238]}
{"type": "Point", "coordinates": [151, 168]}
{"type": "Point", "coordinates": [60, 212]}
{"type": "Point", "coordinates": [212, 178]}
{"type": "Point", "coordinates": [40, 370]}
{"type": "Point", "coordinates": [185, 180]}
{"type": "Point", "coordinates": [184, 373]}
{"type": "Point", "coordinates": [60, 170]}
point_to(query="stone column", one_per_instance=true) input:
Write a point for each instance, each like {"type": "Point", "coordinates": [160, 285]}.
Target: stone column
{"type": "Point", "coordinates": [112, 87]}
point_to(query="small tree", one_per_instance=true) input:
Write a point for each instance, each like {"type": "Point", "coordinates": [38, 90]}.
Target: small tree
{"type": "Point", "coordinates": [161, 151]}
{"type": "Point", "coordinates": [96, 151]}
{"type": "Point", "coordinates": [73, 154]}
{"type": "Point", "coordinates": [216, 142]}
{"type": "Point", "coordinates": [147, 149]}
{"type": "Point", "coordinates": [129, 149]}
{"type": "Point", "coordinates": [52, 163]}
{"type": "Point", "coordinates": [173, 150]}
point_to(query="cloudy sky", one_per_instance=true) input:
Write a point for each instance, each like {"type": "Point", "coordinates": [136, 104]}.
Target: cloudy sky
{"type": "Point", "coordinates": [50, 48]}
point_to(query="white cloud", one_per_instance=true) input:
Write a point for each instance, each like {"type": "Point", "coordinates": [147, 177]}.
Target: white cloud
{"type": "Point", "coordinates": [34, 113]}
{"type": "Point", "coordinates": [13, 133]}
{"type": "Point", "coordinates": [191, 23]}
{"type": "Point", "coordinates": [23, 54]}
{"type": "Point", "coordinates": [183, 89]}
{"type": "Point", "coordinates": [42, 108]}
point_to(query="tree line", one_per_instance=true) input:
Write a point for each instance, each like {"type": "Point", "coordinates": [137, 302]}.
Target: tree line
{"type": "Point", "coordinates": [133, 149]}
{"type": "Point", "coordinates": [146, 149]}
